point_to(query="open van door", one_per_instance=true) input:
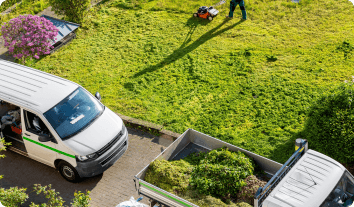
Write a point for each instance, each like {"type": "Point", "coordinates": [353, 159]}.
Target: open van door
{"type": "Point", "coordinates": [35, 130]}
{"type": "Point", "coordinates": [10, 126]}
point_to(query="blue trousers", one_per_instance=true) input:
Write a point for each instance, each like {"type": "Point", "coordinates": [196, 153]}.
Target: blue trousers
{"type": "Point", "coordinates": [233, 4]}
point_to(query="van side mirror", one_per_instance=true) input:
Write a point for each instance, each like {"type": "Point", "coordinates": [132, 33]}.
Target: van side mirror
{"type": "Point", "coordinates": [98, 96]}
{"type": "Point", "coordinates": [46, 138]}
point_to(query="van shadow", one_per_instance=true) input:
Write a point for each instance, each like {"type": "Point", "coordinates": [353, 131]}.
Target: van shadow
{"type": "Point", "coordinates": [153, 138]}
{"type": "Point", "coordinates": [24, 172]}
{"type": "Point", "coordinates": [184, 49]}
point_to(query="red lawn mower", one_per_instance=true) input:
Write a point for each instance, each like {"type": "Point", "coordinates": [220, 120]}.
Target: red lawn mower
{"type": "Point", "coordinates": [208, 12]}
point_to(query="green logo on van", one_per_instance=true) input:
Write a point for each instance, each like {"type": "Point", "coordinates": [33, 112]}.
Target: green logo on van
{"type": "Point", "coordinates": [58, 151]}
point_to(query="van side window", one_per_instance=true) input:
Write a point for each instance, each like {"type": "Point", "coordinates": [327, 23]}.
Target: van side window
{"type": "Point", "coordinates": [34, 124]}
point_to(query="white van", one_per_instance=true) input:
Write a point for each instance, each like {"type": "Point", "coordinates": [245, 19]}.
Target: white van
{"type": "Point", "coordinates": [58, 122]}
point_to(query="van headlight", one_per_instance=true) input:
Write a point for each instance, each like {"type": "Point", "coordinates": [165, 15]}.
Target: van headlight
{"type": "Point", "coordinates": [86, 157]}
{"type": "Point", "coordinates": [124, 129]}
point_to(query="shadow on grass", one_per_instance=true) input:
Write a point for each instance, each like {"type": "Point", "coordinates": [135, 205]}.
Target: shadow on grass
{"type": "Point", "coordinates": [328, 128]}
{"type": "Point", "coordinates": [183, 49]}
{"type": "Point", "coordinates": [284, 151]}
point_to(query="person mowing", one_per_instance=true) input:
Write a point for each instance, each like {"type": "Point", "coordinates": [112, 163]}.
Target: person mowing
{"type": "Point", "coordinates": [233, 4]}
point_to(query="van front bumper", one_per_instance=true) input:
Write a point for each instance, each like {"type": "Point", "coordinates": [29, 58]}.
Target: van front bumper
{"type": "Point", "coordinates": [95, 167]}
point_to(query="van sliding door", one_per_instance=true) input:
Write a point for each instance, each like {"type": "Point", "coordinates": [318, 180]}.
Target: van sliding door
{"type": "Point", "coordinates": [33, 127]}
{"type": "Point", "coordinates": [11, 129]}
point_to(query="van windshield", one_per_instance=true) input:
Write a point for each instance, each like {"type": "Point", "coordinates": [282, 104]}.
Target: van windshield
{"type": "Point", "coordinates": [74, 113]}
{"type": "Point", "coordinates": [342, 194]}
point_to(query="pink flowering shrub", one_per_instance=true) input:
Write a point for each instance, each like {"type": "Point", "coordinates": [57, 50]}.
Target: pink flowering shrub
{"type": "Point", "coordinates": [28, 36]}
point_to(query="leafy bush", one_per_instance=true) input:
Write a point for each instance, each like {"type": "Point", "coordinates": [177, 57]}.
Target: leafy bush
{"type": "Point", "coordinates": [221, 173]}
{"type": "Point", "coordinates": [329, 128]}
{"type": "Point", "coordinates": [53, 197]}
{"type": "Point", "coordinates": [54, 200]}
{"type": "Point", "coordinates": [38, 7]}
{"type": "Point", "coordinates": [81, 199]}
{"type": "Point", "coordinates": [13, 196]}
{"type": "Point", "coordinates": [74, 10]}
{"type": "Point", "coordinates": [28, 36]}
{"type": "Point", "coordinates": [30, 7]}
{"type": "Point", "coordinates": [248, 191]}
{"type": "Point", "coordinates": [3, 145]}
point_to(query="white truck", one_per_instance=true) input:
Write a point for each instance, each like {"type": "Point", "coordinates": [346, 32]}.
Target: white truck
{"type": "Point", "coordinates": [307, 179]}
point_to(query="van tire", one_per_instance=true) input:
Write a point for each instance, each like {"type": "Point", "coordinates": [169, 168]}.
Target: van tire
{"type": "Point", "coordinates": [68, 172]}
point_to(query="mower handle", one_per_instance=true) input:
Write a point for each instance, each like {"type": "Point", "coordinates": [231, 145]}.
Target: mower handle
{"type": "Point", "coordinates": [219, 3]}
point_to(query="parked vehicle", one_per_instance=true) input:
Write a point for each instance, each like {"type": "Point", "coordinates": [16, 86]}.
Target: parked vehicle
{"type": "Point", "coordinates": [308, 178]}
{"type": "Point", "coordinates": [58, 122]}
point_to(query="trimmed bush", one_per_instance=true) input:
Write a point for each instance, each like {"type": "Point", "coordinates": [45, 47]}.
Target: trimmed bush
{"type": "Point", "coordinates": [74, 10]}
{"type": "Point", "coordinates": [329, 128]}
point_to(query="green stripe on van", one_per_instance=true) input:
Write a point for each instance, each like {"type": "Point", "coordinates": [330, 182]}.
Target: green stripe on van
{"type": "Point", "coordinates": [181, 202]}
{"type": "Point", "coordinates": [58, 151]}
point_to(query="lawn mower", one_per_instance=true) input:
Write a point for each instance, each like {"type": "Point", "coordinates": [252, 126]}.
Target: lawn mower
{"type": "Point", "coordinates": [208, 12]}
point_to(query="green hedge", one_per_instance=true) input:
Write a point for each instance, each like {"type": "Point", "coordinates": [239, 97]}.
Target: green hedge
{"type": "Point", "coordinates": [329, 128]}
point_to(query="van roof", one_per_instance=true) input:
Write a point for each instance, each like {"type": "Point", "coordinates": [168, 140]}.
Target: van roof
{"type": "Point", "coordinates": [308, 183]}
{"type": "Point", "coordinates": [33, 88]}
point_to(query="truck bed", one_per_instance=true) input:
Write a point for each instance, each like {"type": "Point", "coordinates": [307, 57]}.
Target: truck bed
{"type": "Point", "coordinates": [192, 141]}
{"type": "Point", "coordinates": [189, 149]}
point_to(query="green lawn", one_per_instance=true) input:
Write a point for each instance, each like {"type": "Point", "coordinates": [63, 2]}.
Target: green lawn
{"type": "Point", "coordinates": [248, 83]}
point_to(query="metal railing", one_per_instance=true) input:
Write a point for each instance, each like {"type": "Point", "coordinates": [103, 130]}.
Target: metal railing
{"type": "Point", "coordinates": [262, 193]}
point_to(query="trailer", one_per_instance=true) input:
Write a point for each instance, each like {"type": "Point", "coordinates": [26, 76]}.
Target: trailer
{"type": "Point", "coordinates": [193, 141]}
{"type": "Point", "coordinates": [308, 178]}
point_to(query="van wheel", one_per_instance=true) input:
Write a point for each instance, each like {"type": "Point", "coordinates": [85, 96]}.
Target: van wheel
{"type": "Point", "coordinates": [68, 172]}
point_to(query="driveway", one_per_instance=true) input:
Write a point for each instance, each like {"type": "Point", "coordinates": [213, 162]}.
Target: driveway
{"type": "Point", "coordinates": [114, 186]}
